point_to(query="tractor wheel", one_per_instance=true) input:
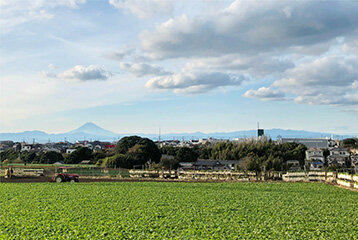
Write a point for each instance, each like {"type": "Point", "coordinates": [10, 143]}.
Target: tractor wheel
{"type": "Point", "coordinates": [72, 181]}
{"type": "Point", "coordinates": [58, 179]}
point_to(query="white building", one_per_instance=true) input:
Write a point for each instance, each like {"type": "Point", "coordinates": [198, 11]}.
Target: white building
{"type": "Point", "coordinates": [70, 150]}
{"type": "Point", "coordinates": [314, 158]}
{"type": "Point", "coordinates": [26, 148]}
{"type": "Point", "coordinates": [315, 154]}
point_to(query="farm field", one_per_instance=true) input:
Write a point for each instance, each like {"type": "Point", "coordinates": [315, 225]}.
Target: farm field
{"type": "Point", "coordinates": [149, 210]}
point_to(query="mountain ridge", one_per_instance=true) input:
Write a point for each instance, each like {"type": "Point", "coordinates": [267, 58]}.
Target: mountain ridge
{"type": "Point", "coordinates": [91, 131]}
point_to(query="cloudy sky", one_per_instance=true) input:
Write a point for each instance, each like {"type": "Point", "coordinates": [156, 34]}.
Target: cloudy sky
{"type": "Point", "coordinates": [183, 66]}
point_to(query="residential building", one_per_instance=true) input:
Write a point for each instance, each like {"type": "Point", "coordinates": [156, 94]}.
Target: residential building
{"type": "Point", "coordinates": [312, 142]}
{"type": "Point", "coordinates": [354, 161]}
{"type": "Point", "coordinates": [317, 165]}
{"type": "Point", "coordinates": [217, 165]}
{"type": "Point", "coordinates": [339, 151]}
{"type": "Point", "coordinates": [70, 150]}
{"type": "Point", "coordinates": [26, 147]}
{"type": "Point", "coordinates": [338, 156]}
{"type": "Point", "coordinates": [315, 154]}
{"type": "Point", "coordinates": [293, 165]}
{"type": "Point", "coordinates": [314, 158]}
{"type": "Point", "coordinates": [354, 151]}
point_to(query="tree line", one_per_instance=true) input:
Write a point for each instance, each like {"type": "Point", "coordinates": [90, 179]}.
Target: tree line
{"type": "Point", "coordinates": [255, 155]}
{"type": "Point", "coordinates": [134, 151]}
{"type": "Point", "coordinates": [51, 157]}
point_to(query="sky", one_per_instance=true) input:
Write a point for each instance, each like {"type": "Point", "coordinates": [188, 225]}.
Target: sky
{"type": "Point", "coordinates": [134, 66]}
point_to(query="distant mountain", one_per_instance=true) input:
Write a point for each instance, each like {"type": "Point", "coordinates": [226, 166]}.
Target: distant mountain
{"type": "Point", "coordinates": [272, 133]}
{"type": "Point", "coordinates": [91, 131]}
{"type": "Point", "coordinates": [88, 131]}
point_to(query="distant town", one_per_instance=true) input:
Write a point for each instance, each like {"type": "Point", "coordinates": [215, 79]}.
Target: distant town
{"type": "Point", "coordinates": [292, 154]}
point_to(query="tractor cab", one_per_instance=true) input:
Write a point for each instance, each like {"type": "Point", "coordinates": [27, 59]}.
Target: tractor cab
{"type": "Point", "coordinates": [62, 175]}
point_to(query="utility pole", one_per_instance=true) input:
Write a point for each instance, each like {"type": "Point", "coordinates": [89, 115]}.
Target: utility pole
{"type": "Point", "coordinates": [159, 137]}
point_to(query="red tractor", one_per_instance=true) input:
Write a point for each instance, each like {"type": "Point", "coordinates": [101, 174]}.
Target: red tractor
{"type": "Point", "coordinates": [64, 176]}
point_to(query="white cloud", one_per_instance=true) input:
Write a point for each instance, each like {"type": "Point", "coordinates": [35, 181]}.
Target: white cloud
{"type": "Point", "coordinates": [46, 74]}
{"type": "Point", "coordinates": [83, 73]}
{"type": "Point", "coordinates": [329, 80]}
{"type": "Point", "coordinates": [119, 55]}
{"type": "Point", "coordinates": [144, 8]}
{"type": "Point", "coordinates": [355, 84]}
{"type": "Point", "coordinates": [51, 66]}
{"type": "Point", "coordinates": [37, 96]}
{"type": "Point", "coordinates": [351, 47]}
{"type": "Point", "coordinates": [328, 71]}
{"type": "Point", "coordinates": [252, 27]}
{"type": "Point", "coordinates": [143, 69]}
{"type": "Point", "coordinates": [266, 94]}
{"type": "Point", "coordinates": [261, 64]}
{"type": "Point", "coordinates": [16, 12]}
{"type": "Point", "coordinates": [195, 82]}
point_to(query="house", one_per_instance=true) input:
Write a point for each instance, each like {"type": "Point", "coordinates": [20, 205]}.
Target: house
{"type": "Point", "coordinates": [338, 156]}
{"type": "Point", "coordinates": [109, 146]}
{"type": "Point", "coordinates": [354, 151]}
{"type": "Point", "coordinates": [4, 145]}
{"type": "Point", "coordinates": [70, 150]}
{"type": "Point", "coordinates": [97, 148]}
{"type": "Point", "coordinates": [317, 165]}
{"type": "Point", "coordinates": [293, 165]}
{"type": "Point", "coordinates": [314, 155]}
{"type": "Point", "coordinates": [339, 151]}
{"type": "Point", "coordinates": [354, 161]}
{"type": "Point", "coordinates": [186, 166]}
{"type": "Point", "coordinates": [337, 160]}
{"type": "Point", "coordinates": [217, 165]}
{"type": "Point", "coordinates": [26, 147]}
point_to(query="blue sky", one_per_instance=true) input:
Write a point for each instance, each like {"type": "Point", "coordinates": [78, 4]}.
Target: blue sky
{"type": "Point", "coordinates": [133, 66]}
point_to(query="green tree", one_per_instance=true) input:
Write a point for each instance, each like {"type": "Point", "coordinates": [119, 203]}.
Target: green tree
{"type": "Point", "coordinates": [126, 143]}
{"type": "Point", "coordinates": [186, 154]}
{"type": "Point", "coordinates": [81, 153]}
{"type": "Point", "coordinates": [50, 157]}
{"type": "Point", "coordinates": [169, 150]}
{"type": "Point", "coordinates": [141, 150]}
{"type": "Point", "coordinates": [9, 155]}
{"type": "Point", "coordinates": [118, 160]}
{"type": "Point", "coordinates": [170, 163]}
{"type": "Point", "coordinates": [350, 142]}
{"type": "Point", "coordinates": [29, 157]}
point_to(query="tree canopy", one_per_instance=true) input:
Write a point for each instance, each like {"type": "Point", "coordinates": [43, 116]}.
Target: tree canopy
{"type": "Point", "coordinates": [81, 153]}
{"type": "Point", "coordinates": [131, 151]}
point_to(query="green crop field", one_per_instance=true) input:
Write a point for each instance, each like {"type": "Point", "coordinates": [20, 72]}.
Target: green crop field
{"type": "Point", "coordinates": [177, 211]}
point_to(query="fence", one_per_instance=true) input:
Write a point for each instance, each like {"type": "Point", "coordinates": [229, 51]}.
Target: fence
{"type": "Point", "coordinates": [308, 176]}
{"type": "Point", "coordinates": [342, 179]}
{"type": "Point", "coordinates": [347, 180]}
{"type": "Point", "coordinates": [31, 171]}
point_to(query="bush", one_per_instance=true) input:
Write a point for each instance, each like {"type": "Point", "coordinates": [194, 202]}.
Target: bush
{"type": "Point", "coordinates": [170, 163]}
